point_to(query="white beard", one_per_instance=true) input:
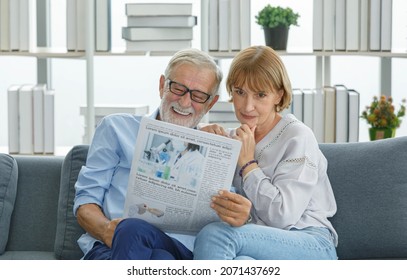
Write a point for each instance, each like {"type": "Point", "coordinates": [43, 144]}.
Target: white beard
{"type": "Point", "coordinates": [167, 114]}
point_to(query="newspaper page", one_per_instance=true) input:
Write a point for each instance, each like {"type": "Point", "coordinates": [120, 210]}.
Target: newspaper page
{"type": "Point", "coordinates": [175, 172]}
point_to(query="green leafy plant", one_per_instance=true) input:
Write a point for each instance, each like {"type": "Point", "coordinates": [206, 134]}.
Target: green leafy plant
{"type": "Point", "coordinates": [382, 114]}
{"type": "Point", "coordinates": [276, 16]}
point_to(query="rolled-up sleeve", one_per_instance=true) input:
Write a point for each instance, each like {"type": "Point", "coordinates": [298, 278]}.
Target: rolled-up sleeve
{"type": "Point", "coordinates": [95, 178]}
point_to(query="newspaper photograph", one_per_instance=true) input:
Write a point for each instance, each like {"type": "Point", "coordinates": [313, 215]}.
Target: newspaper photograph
{"type": "Point", "coordinates": [175, 172]}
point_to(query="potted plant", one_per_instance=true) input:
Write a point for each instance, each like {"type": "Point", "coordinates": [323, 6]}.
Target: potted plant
{"type": "Point", "coordinates": [276, 22]}
{"type": "Point", "coordinates": [383, 118]}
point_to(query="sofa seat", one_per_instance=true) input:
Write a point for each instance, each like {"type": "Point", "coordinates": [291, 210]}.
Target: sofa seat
{"type": "Point", "coordinates": [368, 180]}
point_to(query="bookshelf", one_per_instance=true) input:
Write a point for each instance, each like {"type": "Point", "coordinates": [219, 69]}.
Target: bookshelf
{"type": "Point", "coordinates": [44, 54]}
{"type": "Point", "coordinates": [323, 63]}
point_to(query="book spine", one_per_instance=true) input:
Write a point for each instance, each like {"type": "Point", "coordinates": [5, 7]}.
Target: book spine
{"type": "Point", "coordinates": [49, 122]}
{"type": "Point", "coordinates": [204, 25]}
{"type": "Point", "coordinates": [26, 119]}
{"type": "Point", "coordinates": [38, 118]}
{"type": "Point", "coordinates": [13, 120]}
{"type": "Point", "coordinates": [71, 40]}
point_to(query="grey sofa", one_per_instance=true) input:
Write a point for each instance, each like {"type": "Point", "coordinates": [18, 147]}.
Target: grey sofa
{"type": "Point", "coordinates": [368, 178]}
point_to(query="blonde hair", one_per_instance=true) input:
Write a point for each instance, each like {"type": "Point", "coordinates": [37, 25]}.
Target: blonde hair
{"type": "Point", "coordinates": [261, 69]}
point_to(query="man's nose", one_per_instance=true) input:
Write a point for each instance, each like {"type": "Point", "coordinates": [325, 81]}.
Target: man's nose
{"type": "Point", "coordinates": [185, 100]}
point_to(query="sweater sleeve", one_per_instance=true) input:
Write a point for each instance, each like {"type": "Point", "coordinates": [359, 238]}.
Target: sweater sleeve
{"type": "Point", "coordinates": [282, 188]}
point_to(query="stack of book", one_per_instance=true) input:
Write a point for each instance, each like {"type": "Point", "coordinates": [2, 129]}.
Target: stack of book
{"type": "Point", "coordinates": [31, 119]}
{"type": "Point", "coordinates": [352, 25]}
{"type": "Point", "coordinates": [103, 110]}
{"type": "Point", "coordinates": [332, 112]}
{"type": "Point", "coordinates": [76, 25]}
{"type": "Point", "coordinates": [158, 26]}
{"type": "Point", "coordinates": [17, 25]}
{"type": "Point", "coordinates": [225, 25]}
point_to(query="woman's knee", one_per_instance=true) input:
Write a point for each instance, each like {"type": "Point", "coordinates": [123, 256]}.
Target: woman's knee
{"type": "Point", "coordinates": [216, 241]}
{"type": "Point", "coordinates": [213, 232]}
{"type": "Point", "coordinates": [210, 229]}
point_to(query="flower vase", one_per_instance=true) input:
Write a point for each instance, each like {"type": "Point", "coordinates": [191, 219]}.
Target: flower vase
{"type": "Point", "coordinates": [381, 133]}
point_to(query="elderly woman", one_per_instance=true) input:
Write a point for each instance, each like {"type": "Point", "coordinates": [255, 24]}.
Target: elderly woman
{"type": "Point", "coordinates": [283, 195]}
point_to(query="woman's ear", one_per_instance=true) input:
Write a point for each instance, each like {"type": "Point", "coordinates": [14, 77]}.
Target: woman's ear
{"type": "Point", "coordinates": [280, 95]}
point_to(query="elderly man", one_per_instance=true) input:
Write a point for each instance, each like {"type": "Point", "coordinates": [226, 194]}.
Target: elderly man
{"type": "Point", "coordinates": [188, 89]}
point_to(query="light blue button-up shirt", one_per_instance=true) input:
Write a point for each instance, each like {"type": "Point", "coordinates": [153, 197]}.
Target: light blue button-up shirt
{"type": "Point", "coordinates": [103, 181]}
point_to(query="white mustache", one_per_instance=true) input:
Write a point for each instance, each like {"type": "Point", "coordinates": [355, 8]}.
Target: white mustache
{"type": "Point", "coordinates": [175, 106]}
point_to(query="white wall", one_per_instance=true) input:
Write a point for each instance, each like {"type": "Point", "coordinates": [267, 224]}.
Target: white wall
{"type": "Point", "coordinates": [134, 79]}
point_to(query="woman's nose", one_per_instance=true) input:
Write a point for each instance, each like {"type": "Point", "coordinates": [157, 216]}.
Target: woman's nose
{"type": "Point", "coordinates": [249, 103]}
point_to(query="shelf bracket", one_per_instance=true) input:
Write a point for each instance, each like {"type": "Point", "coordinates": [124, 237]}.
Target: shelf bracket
{"type": "Point", "coordinates": [323, 71]}
{"type": "Point", "coordinates": [44, 65]}
{"type": "Point", "coordinates": [385, 73]}
{"type": "Point", "coordinates": [90, 48]}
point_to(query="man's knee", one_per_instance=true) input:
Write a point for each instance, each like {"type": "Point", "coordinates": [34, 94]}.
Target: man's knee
{"type": "Point", "coordinates": [132, 227]}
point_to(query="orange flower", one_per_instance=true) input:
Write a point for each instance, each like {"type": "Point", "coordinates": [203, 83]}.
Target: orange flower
{"type": "Point", "coordinates": [382, 114]}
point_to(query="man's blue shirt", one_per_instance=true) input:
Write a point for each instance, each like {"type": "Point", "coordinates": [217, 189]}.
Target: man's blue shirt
{"type": "Point", "coordinates": [103, 181]}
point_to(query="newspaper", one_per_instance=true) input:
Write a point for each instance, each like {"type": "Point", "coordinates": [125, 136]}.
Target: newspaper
{"type": "Point", "coordinates": [171, 187]}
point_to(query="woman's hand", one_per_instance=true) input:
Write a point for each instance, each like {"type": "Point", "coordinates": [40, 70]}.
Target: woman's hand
{"type": "Point", "coordinates": [231, 208]}
{"type": "Point", "coordinates": [213, 128]}
{"type": "Point", "coordinates": [245, 134]}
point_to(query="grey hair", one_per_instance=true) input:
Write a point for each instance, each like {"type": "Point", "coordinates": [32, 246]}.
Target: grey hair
{"type": "Point", "coordinates": [198, 58]}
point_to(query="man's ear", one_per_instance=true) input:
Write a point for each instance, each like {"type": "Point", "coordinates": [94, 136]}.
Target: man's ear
{"type": "Point", "coordinates": [161, 86]}
{"type": "Point", "coordinates": [214, 100]}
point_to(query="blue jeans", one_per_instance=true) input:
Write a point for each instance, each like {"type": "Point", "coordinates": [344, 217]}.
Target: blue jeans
{"type": "Point", "coordinates": [220, 241]}
{"type": "Point", "coordinates": [135, 239]}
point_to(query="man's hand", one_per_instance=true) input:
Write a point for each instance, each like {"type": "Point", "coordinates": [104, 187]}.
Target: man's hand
{"type": "Point", "coordinates": [231, 208]}
{"type": "Point", "coordinates": [213, 128]}
{"type": "Point", "coordinates": [92, 220]}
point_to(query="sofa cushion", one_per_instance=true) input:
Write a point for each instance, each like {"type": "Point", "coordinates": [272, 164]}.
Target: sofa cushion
{"type": "Point", "coordinates": [28, 255]}
{"type": "Point", "coordinates": [370, 186]}
{"type": "Point", "coordinates": [68, 229]}
{"type": "Point", "coordinates": [8, 191]}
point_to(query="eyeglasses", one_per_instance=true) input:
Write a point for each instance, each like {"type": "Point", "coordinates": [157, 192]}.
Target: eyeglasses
{"type": "Point", "coordinates": [180, 90]}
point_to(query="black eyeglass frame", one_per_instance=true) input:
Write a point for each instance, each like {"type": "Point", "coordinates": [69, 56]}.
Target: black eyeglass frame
{"type": "Point", "coordinates": [190, 91]}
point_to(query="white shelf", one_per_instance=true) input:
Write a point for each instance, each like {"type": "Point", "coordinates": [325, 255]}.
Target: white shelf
{"type": "Point", "coordinates": [320, 54]}
{"type": "Point", "coordinates": [45, 53]}
{"type": "Point", "coordinates": [371, 54]}
{"type": "Point", "coordinates": [322, 60]}
{"type": "Point", "coordinates": [63, 53]}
